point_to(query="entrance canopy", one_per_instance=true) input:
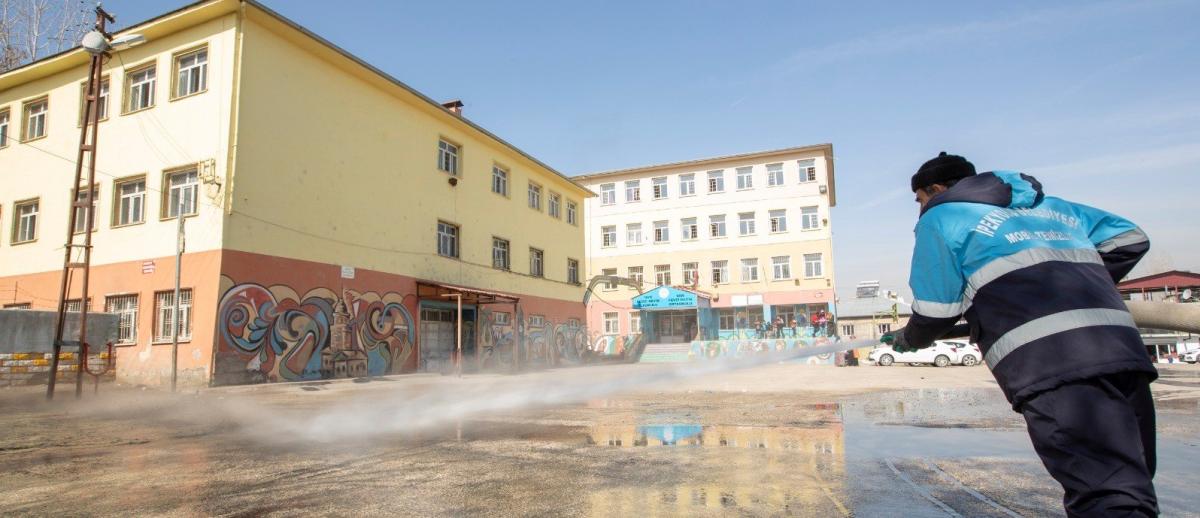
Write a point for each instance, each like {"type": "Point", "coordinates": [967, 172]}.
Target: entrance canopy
{"type": "Point", "coordinates": [667, 297]}
{"type": "Point", "coordinates": [429, 290]}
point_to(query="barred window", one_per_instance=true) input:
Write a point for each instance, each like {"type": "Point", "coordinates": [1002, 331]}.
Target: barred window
{"type": "Point", "coordinates": [164, 311]}
{"type": "Point", "coordinates": [126, 309]}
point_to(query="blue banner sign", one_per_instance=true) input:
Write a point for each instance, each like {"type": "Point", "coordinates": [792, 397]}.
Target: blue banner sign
{"type": "Point", "coordinates": [665, 297]}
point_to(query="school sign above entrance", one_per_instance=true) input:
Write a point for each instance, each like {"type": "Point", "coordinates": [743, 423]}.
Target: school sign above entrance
{"type": "Point", "coordinates": [666, 297]}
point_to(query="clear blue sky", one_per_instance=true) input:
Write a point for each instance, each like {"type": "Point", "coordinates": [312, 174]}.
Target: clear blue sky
{"type": "Point", "coordinates": [1099, 100]}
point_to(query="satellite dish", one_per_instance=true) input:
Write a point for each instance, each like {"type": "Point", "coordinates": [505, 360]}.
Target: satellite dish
{"type": "Point", "coordinates": [94, 42]}
{"type": "Point", "coordinates": [1187, 294]}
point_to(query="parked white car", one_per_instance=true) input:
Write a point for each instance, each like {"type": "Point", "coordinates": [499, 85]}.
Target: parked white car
{"type": "Point", "coordinates": [1192, 356]}
{"type": "Point", "coordinates": [941, 354]}
{"type": "Point", "coordinates": [969, 354]}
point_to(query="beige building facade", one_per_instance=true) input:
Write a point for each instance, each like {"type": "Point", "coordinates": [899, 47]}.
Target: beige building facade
{"type": "Point", "coordinates": [752, 231]}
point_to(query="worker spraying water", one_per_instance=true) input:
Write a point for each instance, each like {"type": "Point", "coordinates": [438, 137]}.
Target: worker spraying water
{"type": "Point", "coordinates": [1035, 277]}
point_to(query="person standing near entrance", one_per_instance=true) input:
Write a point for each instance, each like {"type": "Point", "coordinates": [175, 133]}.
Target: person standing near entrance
{"type": "Point", "coordinates": [1035, 276]}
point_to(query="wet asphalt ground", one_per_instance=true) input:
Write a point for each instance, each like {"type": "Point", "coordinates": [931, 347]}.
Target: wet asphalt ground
{"type": "Point", "coordinates": [776, 440]}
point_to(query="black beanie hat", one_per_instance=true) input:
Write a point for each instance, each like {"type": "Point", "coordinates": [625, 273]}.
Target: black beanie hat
{"type": "Point", "coordinates": [941, 169]}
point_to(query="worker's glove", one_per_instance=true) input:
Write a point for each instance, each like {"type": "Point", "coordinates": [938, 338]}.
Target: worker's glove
{"type": "Point", "coordinates": [897, 341]}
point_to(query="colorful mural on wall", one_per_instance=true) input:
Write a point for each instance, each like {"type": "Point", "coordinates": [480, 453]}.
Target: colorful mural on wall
{"type": "Point", "coordinates": [275, 334]}
{"type": "Point", "coordinates": [722, 349]}
{"type": "Point", "coordinates": [617, 346]}
{"type": "Point", "coordinates": [542, 342]}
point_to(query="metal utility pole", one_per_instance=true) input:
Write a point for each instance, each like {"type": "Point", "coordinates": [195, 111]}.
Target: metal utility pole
{"type": "Point", "coordinates": [87, 145]}
{"type": "Point", "coordinates": [180, 244]}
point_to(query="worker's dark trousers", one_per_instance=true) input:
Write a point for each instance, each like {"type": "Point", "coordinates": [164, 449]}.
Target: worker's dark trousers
{"type": "Point", "coordinates": [1096, 437]}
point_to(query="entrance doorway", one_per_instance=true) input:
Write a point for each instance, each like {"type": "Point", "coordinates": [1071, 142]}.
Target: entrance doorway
{"type": "Point", "coordinates": [438, 335]}
{"type": "Point", "coordinates": [676, 326]}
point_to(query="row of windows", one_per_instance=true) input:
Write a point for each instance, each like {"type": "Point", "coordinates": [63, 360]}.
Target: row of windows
{"type": "Point", "coordinates": [848, 330]}
{"type": "Point", "coordinates": [449, 237]}
{"type": "Point", "coordinates": [449, 159]}
{"type": "Point", "coordinates": [728, 319]}
{"type": "Point", "coordinates": [689, 229]}
{"type": "Point", "coordinates": [126, 309]}
{"type": "Point", "coordinates": [686, 186]}
{"type": "Point", "coordinates": [128, 208]}
{"type": "Point", "coordinates": [190, 77]}
{"type": "Point", "coordinates": [780, 269]}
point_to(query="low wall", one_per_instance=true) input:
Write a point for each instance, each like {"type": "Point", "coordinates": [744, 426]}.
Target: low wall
{"type": "Point", "coordinates": [34, 368]}
{"type": "Point", "coordinates": [27, 345]}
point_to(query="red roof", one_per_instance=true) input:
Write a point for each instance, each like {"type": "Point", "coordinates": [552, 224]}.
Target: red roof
{"type": "Point", "coordinates": [1171, 279]}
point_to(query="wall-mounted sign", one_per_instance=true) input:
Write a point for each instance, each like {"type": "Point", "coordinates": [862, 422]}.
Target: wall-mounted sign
{"type": "Point", "coordinates": [147, 267]}
{"type": "Point", "coordinates": [347, 272]}
{"type": "Point", "coordinates": [665, 298]}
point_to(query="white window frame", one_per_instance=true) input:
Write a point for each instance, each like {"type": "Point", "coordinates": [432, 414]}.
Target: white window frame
{"type": "Point", "coordinates": [720, 272]}
{"type": "Point", "coordinates": [810, 218]}
{"type": "Point", "coordinates": [689, 229]}
{"type": "Point", "coordinates": [130, 207]}
{"type": "Point", "coordinates": [808, 170]}
{"type": "Point", "coordinates": [633, 234]}
{"type": "Point", "coordinates": [662, 231]}
{"type": "Point", "coordinates": [662, 275]}
{"type": "Point", "coordinates": [101, 101]}
{"type": "Point", "coordinates": [501, 253]}
{"type": "Point", "coordinates": [448, 239]}
{"type": "Point", "coordinates": [534, 194]}
{"type": "Point", "coordinates": [750, 269]}
{"type": "Point", "coordinates": [164, 315]}
{"type": "Point", "coordinates": [781, 267]}
{"type": "Point", "coordinates": [572, 212]}
{"type": "Point", "coordinates": [140, 91]}
{"type": "Point", "coordinates": [5, 127]}
{"type": "Point", "coordinates": [716, 181]}
{"type": "Point", "coordinates": [778, 221]}
{"type": "Point", "coordinates": [191, 79]}
{"type": "Point", "coordinates": [554, 205]}
{"type": "Point", "coordinates": [78, 226]}
{"type": "Point", "coordinates": [537, 262]}
{"type": "Point", "coordinates": [608, 236]}
{"type": "Point", "coordinates": [125, 306]}
{"type": "Point", "coordinates": [884, 327]}
{"type": "Point", "coordinates": [746, 225]}
{"type": "Point", "coordinates": [716, 223]}
{"type": "Point", "coordinates": [608, 194]}
{"type": "Point", "coordinates": [449, 155]}
{"type": "Point", "coordinates": [691, 273]}
{"type": "Point", "coordinates": [573, 271]}
{"type": "Point", "coordinates": [25, 221]}
{"type": "Point", "coordinates": [658, 187]}
{"type": "Point", "coordinates": [637, 273]}
{"type": "Point", "coordinates": [847, 329]}
{"type": "Point", "coordinates": [35, 119]}
{"type": "Point", "coordinates": [745, 178]}
{"type": "Point", "coordinates": [633, 191]}
{"type": "Point", "coordinates": [774, 175]}
{"type": "Point", "coordinates": [814, 266]}
{"type": "Point", "coordinates": [609, 272]}
{"type": "Point", "coordinates": [189, 189]}
{"type": "Point", "coordinates": [612, 323]}
{"type": "Point", "coordinates": [635, 322]}
{"type": "Point", "coordinates": [687, 184]}
{"type": "Point", "coordinates": [500, 180]}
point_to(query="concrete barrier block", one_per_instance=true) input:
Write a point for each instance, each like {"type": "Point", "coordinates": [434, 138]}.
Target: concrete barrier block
{"type": "Point", "coordinates": [22, 356]}
{"type": "Point", "coordinates": [18, 369]}
{"type": "Point", "coordinates": [36, 368]}
{"type": "Point", "coordinates": [6, 356]}
{"type": "Point", "coordinates": [40, 361]}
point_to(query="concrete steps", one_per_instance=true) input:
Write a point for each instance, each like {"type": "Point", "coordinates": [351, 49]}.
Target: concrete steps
{"type": "Point", "coordinates": [665, 353]}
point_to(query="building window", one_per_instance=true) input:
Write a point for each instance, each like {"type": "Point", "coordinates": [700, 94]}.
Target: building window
{"type": "Point", "coordinates": [139, 89]}
{"type": "Point", "coordinates": [573, 271]}
{"type": "Point", "coordinates": [716, 181]}
{"type": "Point", "coordinates": [749, 270]}
{"type": "Point", "coordinates": [572, 213]}
{"type": "Point", "coordinates": [80, 223]}
{"type": "Point", "coordinates": [126, 309]}
{"type": "Point", "coordinates": [662, 275]}
{"type": "Point", "coordinates": [164, 311]}
{"type": "Point", "coordinates": [778, 220]}
{"type": "Point", "coordinates": [182, 188]}
{"type": "Point", "coordinates": [720, 272]}
{"type": "Point", "coordinates": [635, 273]}
{"type": "Point", "coordinates": [812, 265]}
{"type": "Point", "coordinates": [608, 236]}
{"type": "Point", "coordinates": [75, 305]}
{"type": "Point", "coordinates": [500, 318]}
{"type": "Point", "coordinates": [447, 239]}
{"type": "Point", "coordinates": [687, 184]}
{"type": "Point", "coordinates": [774, 175]}
{"type": "Point", "coordinates": [609, 272]}
{"type": "Point", "coordinates": [19, 305]}
{"type": "Point", "coordinates": [499, 181]}
{"type": "Point", "coordinates": [501, 257]}
{"type": "Point", "coordinates": [35, 119]}
{"type": "Point", "coordinates": [726, 319]}
{"type": "Point", "coordinates": [611, 324]}
{"type": "Point", "coordinates": [808, 170]}
{"type": "Point", "coordinates": [690, 229]}
{"type": "Point", "coordinates": [716, 226]}
{"type": "Point", "coordinates": [448, 157]}
{"type": "Point", "coordinates": [554, 205]}
{"type": "Point", "coordinates": [787, 313]}
{"type": "Point", "coordinates": [633, 234]}
{"type": "Point", "coordinates": [101, 102]}
{"type": "Point", "coordinates": [659, 186]}
{"type": "Point", "coordinates": [745, 178]}
{"type": "Point", "coordinates": [4, 124]}
{"type": "Point", "coordinates": [847, 329]}
{"type": "Point", "coordinates": [746, 223]}
{"type": "Point", "coordinates": [608, 194]}
{"type": "Point", "coordinates": [537, 320]}
{"type": "Point", "coordinates": [535, 196]}
{"type": "Point", "coordinates": [633, 190]}
{"type": "Point", "coordinates": [25, 223]}
{"type": "Point", "coordinates": [537, 263]}
{"type": "Point", "coordinates": [130, 206]}
{"type": "Point", "coordinates": [191, 73]}
{"type": "Point", "coordinates": [662, 233]}
{"type": "Point", "coordinates": [635, 322]}
{"type": "Point", "coordinates": [691, 273]}
{"type": "Point", "coordinates": [809, 219]}
{"type": "Point", "coordinates": [884, 328]}
{"type": "Point", "coordinates": [781, 267]}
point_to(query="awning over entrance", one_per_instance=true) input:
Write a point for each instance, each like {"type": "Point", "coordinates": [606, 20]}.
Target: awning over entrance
{"type": "Point", "coordinates": [470, 296]}
{"type": "Point", "coordinates": [668, 297]}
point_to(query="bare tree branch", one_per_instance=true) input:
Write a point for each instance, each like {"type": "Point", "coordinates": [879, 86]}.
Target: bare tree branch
{"type": "Point", "coordinates": [32, 29]}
